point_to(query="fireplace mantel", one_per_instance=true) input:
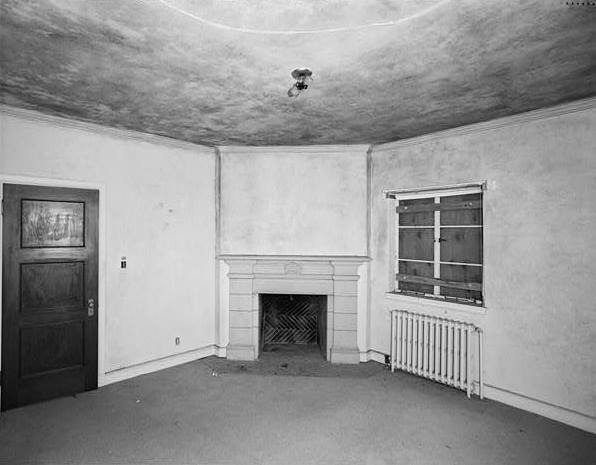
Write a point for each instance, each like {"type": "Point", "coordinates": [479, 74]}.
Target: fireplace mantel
{"type": "Point", "coordinates": [334, 276]}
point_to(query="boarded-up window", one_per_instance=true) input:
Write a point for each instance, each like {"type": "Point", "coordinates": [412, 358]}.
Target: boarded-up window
{"type": "Point", "coordinates": [439, 245]}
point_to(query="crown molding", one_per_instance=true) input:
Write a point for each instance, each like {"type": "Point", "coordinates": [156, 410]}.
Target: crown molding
{"type": "Point", "coordinates": [506, 121]}
{"type": "Point", "coordinates": [356, 149]}
{"type": "Point", "coordinates": [36, 116]}
{"type": "Point", "coordinates": [344, 149]}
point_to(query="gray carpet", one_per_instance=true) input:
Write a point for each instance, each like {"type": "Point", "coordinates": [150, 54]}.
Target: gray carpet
{"type": "Point", "coordinates": [293, 360]}
{"type": "Point", "coordinates": [214, 412]}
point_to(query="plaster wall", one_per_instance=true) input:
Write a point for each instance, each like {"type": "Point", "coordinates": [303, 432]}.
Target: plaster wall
{"type": "Point", "coordinates": [539, 254]}
{"type": "Point", "coordinates": [294, 201]}
{"type": "Point", "coordinates": [159, 211]}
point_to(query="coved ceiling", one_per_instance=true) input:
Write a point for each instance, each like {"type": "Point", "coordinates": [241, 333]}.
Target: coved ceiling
{"type": "Point", "coordinates": [216, 72]}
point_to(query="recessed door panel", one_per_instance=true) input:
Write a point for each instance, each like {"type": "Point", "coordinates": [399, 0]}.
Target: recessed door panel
{"type": "Point", "coordinates": [47, 286]}
{"type": "Point", "coordinates": [51, 347]}
{"type": "Point", "coordinates": [47, 223]}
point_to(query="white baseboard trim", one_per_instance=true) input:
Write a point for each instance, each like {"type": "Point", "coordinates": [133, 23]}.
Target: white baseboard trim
{"type": "Point", "coordinates": [372, 355]}
{"type": "Point", "coordinates": [221, 351]}
{"type": "Point", "coordinates": [120, 374]}
{"type": "Point", "coordinates": [545, 409]}
{"type": "Point", "coordinates": [520, 401]}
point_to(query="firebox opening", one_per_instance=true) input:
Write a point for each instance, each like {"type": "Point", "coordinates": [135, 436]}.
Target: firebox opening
{"type": "Point", "coordinates": [293, 323]}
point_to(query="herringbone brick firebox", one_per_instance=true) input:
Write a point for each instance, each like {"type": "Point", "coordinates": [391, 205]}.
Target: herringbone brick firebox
{"type": "Point", "coordinates": [293, 319]}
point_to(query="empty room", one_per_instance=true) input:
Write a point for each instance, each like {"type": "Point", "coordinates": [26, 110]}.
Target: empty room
{"type": "Point", "coordinates": [298, 232]}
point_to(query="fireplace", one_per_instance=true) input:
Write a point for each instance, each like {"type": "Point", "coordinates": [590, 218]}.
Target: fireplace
{"type": "Point", "coordinates": [333, 278]}
{"type": "Point", "coordinates": [287, 319]}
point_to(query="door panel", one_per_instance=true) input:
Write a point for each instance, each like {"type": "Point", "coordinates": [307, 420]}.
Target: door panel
{"type": "Point", "coordinates": [51, 347]}
{"type": "Point", "coordinates": [46, 223]}
{"type": "Point", "coordinates": [49, 285]}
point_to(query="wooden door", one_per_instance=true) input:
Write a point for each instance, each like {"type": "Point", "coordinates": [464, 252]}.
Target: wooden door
{"type": "Point", "coordinates": [49, 293]}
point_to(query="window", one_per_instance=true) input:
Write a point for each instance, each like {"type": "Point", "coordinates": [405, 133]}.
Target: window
{"type": "Point", "coordinates": [438, 243]}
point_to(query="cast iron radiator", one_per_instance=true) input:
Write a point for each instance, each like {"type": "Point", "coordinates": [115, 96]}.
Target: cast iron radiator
{"type": "Point", "coordinates": [437, 348]}
{"type": "Point", "coordinates": [290, 319]}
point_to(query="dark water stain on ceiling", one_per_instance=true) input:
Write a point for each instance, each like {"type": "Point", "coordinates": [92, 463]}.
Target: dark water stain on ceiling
{"type": "Point", "coordinates": [216, 72]}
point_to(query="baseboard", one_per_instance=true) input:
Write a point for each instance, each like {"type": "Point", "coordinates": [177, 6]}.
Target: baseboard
{"type": "Point", "coordinates": [143, 368]}
{"type": "Point", "coordinates": [520, 401]}
{"type": "Point", "coordinates": [554, 412]}
{"type": "Point", "coordinates": [372, 356]}
{"type": "Point", "coordinates": [221, 351]}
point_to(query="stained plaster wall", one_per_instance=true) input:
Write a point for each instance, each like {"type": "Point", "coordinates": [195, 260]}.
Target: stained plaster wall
{"type": "Point", "coordinates": [539, 254]}
{"type": "Point", "coordinates": [159, 204]}
{"type": "Point", "coordinates": [295, 201]}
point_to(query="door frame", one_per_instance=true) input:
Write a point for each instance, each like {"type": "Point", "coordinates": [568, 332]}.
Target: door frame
{"type": "Point", "coordinates": [101, 258]}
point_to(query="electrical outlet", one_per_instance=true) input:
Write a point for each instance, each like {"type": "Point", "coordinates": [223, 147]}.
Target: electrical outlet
{"type": "Point", "coordinates": [177, 341]}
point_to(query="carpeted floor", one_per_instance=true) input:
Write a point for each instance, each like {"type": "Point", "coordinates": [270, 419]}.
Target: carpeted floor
{"type": "Point", "coordinates": [294, 360]}
{"type": "Point", "coordinates": [215, 411]}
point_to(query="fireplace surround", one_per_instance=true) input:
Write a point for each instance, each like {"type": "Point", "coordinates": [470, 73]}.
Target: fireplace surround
{"type": "Point", "coordinates": [335, 277]}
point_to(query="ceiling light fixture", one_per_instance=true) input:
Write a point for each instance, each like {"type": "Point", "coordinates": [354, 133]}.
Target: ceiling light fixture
{"type": "Point", "coordinates": [303, 78]}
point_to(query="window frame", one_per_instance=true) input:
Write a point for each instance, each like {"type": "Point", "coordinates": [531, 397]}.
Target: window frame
{"type": "Point", "coordinates": [435, 192]}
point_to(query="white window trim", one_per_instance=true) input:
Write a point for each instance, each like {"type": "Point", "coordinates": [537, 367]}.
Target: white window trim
{"type": "Point", "coordinates": [434, 303]}
{"type": "Point", "coordinates": [431, 192]}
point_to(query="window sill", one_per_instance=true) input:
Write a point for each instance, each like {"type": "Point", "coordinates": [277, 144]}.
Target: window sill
{"type": "Point", "coordinates": [437, 305]}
